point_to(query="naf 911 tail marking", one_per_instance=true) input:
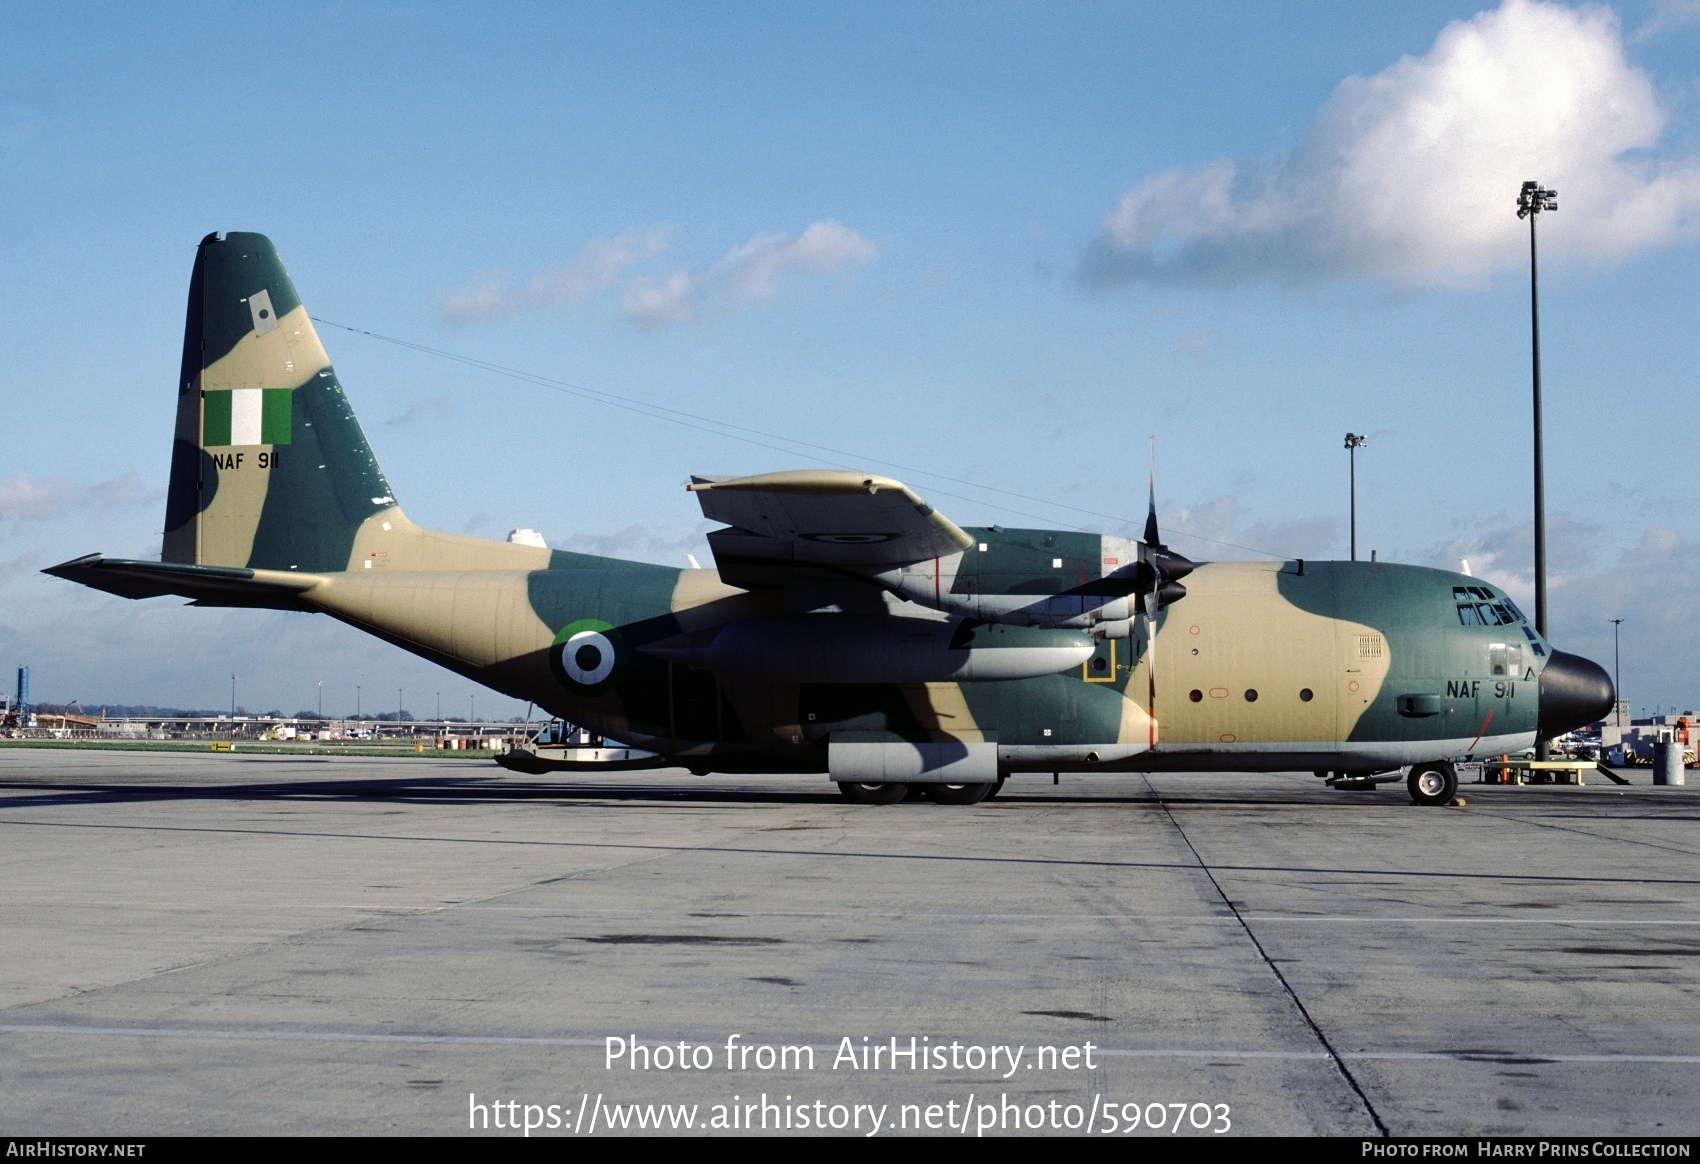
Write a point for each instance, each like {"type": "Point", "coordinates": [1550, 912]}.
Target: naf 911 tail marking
{"type": "Point", "coordinates": [848, 627]}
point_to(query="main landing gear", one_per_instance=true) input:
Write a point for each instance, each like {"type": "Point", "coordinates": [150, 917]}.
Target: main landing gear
{"type": "Point", "coordinates": [938, 793]}
{"type": "Point", "coordinates": [873, 793]}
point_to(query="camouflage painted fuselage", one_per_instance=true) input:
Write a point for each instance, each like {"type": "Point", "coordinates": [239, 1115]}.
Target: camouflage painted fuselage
{"type": "Point", "coordinates": [1025, 640]}
{"type": "Point", "coordinates": [1260, 666]}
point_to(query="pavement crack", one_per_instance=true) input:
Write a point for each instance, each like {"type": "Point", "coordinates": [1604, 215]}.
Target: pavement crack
{"type": "Point", "coordinates": [1304, 1012]}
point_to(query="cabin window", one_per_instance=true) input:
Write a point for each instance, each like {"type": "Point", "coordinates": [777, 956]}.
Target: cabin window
{"type": "Point", "coordinates": [1505, 658]}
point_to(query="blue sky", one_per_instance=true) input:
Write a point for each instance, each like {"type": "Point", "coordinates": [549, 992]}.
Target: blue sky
{"type": "Point", "coordinates": [998, 244]}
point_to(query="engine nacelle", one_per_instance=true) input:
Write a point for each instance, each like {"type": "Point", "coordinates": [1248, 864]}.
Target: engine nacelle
{"type": "Point", "coordinates": [854, 648]}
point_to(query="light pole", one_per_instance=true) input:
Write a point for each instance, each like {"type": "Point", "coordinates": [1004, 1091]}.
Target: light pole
{"type": "Point", "coordinates": [1616, 671]}
{"type": "Point", "coordinates": [357, 703]}
{"type": "Point", "coordinates": [398, 712]}
{"type": "Point", "coordinates": [439, 707]}
{"type": "Point", "coordinates": [1354, 442]}
{"type": "Point", "coordinates": [233, 705]}
{"type": "Point", "coordinates": [321, 701]}
{"type": "Point", "coordinates": [1531, 201]}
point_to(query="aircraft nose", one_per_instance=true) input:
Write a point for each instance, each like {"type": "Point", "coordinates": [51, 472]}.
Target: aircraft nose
{"type": "Point", "coordinates": [1574, 691]}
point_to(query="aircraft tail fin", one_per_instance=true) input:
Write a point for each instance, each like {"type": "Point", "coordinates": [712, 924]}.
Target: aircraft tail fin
{"type": "Point", "coordinates": [269, 468]}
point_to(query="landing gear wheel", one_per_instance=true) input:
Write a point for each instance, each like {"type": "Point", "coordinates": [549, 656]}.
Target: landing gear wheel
{"type": "Point", "coordinates": [996, 788]}
{"type": "Point", "coordinates": [959, 793]}
{"type": "Point", "coordinates": [1435, 783]}
{"type": "Point", "coordinates": [873, 793]}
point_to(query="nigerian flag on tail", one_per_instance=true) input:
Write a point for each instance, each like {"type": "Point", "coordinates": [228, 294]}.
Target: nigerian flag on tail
{"type": "Point", "coordinates": [247, 416]}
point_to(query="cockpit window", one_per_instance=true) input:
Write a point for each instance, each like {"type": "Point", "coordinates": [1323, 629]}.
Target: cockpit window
{"type": "Point", "coordinates": [1490, 614]}
{"type": "Point", "coordinates": [1512, 607]}
{"type": "Point", "coordinates": [1467, 614]}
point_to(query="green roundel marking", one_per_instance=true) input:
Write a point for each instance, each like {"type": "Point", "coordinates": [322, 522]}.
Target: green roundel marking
{"type": "Point", "coordinates": [586, 655]}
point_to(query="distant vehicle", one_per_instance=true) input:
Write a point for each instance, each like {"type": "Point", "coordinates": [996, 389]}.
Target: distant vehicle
{"type": "Point", "coordinates": [561, 747]}
{"type": "Point", "coordinates": [849, 627]}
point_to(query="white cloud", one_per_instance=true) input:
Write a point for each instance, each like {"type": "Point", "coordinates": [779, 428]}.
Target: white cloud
{"type": "Point", "coordinates": [22, 499]}
{"type": "Point", "coordinates": [1218, 531]}
{"type": "Point", "coordinates": [598, 265]}
{"type": "Point", "coordinates": [748, 273]}
{"type": "Point", "coordinates": [1411, 175]}
{"type": "Point", "coordinates": [645, 542]}
{"type": "Point", "coordinates": [1668, 16]}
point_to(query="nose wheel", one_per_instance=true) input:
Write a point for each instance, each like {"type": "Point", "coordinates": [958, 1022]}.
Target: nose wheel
{"type": "Point", "coordinates": [1435, 783]}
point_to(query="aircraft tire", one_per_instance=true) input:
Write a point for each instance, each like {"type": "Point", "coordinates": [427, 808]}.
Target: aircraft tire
{"type": "Point", "coordinates": [996, 788]}
{"type": "Point", "coordinates": [1435, 783]}
{"type": "Point", "coordinates": [959, 793]}
{"type": "Point", "coordinates": [873, 793]}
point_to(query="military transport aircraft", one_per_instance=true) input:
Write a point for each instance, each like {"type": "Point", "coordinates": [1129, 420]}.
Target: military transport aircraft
{"type": "Point", "coordinates": [848, 628]}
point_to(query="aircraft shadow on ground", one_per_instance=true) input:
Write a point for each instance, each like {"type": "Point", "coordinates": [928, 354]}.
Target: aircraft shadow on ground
{"type": "Point", "coordinates": [494, 790]}
{"type": "Point", "coordinates": [504, 789]}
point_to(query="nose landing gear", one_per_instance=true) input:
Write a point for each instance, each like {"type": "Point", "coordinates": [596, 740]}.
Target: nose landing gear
{"type": "Point", "coordinates": [1435, 783]}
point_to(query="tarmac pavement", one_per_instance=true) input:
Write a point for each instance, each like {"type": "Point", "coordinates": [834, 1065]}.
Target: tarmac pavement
{"type": "Point", "coordinates": [269, 944]}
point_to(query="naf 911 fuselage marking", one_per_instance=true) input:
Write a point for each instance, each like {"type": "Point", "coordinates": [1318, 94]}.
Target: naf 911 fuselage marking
{"type": "Point", "coordinates": [848, 628]}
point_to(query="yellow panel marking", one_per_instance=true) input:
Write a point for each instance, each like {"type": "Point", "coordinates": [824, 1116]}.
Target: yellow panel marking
{"type": "Point", "coordinates": [1111, 677]}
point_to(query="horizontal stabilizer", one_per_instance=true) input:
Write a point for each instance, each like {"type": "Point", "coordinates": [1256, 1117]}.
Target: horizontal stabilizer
{"type": "Point", "coordinates": [205, 585]}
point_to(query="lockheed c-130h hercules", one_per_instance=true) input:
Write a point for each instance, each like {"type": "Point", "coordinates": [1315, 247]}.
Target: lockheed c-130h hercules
{"type": "Point", "coordinates": [848, 628]}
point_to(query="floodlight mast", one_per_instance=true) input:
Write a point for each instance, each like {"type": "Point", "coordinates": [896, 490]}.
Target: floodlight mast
{"type": "Point", "coordinates": [1354, 442]}
{"type": "Point", "coordinates": [1531, 201]}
